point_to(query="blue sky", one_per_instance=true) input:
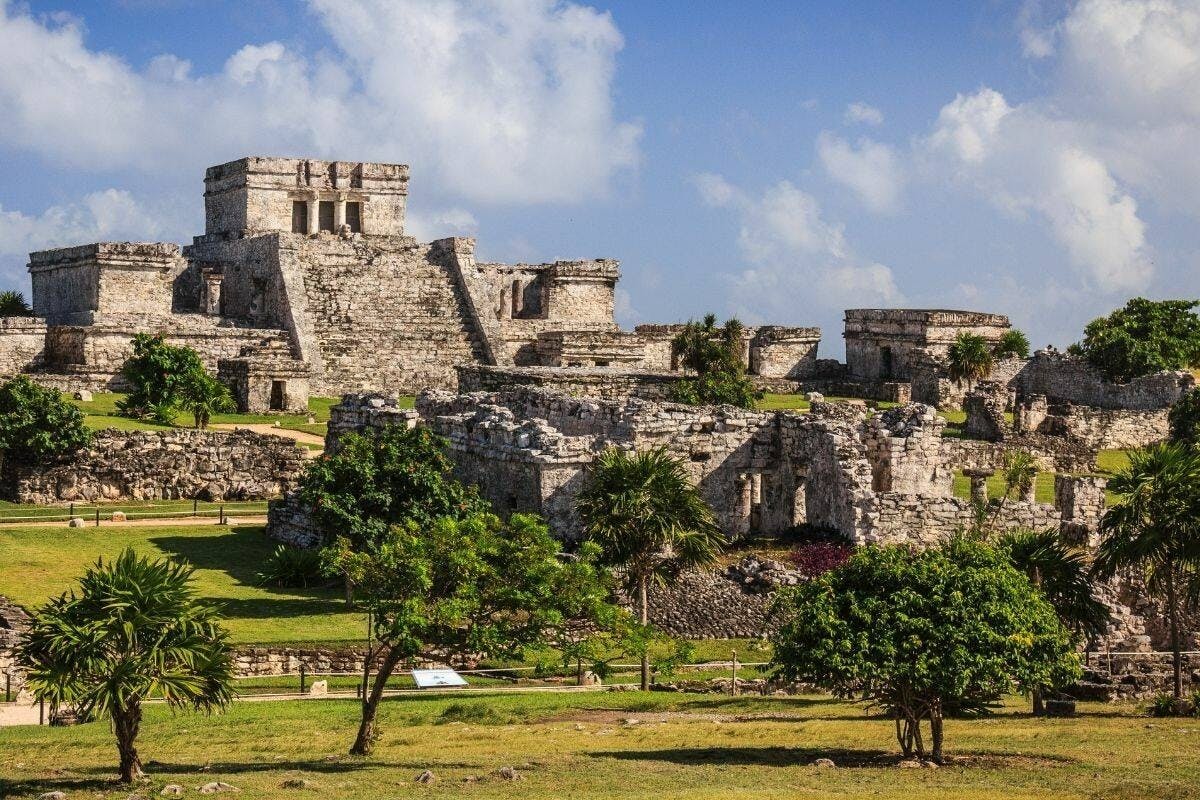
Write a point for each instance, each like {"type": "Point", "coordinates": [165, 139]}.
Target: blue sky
{"type": "Point", "coordinates": [779, 161]}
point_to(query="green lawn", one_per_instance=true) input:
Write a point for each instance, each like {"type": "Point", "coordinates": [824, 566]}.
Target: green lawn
{"type": "Point", "coordinates": [1043, 487]}
{"type": "Point", "coordinates": [623, 745]}
{"type": "Point", "coordinates": [796, 402]}
{"type": "Point", "coordinates": [40, 562]}
{"type": "Point", "coordinates": [134, 509]}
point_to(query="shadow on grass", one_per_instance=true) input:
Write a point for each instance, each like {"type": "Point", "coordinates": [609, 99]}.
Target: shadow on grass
{"type": "Point", "coordinates": [268, 608]}
{"type": "Point", "coordinates": [755, 756]}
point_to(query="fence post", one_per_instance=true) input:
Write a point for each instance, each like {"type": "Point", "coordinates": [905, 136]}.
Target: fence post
{"type": "Point", "coordinates": [97, 516]}
{"type": "Point", "coordinates": [222, 522]}
{"type": "Point", "coordinates": [733, 683]}
{"type": "Point", "coordinates": [195, 506]}
{"type": "Point", "coordinates": [41, 711]}
{"type": "Point", "coordinates": [301, 678]}
{"type": "Point", "coordinates": [1109, 648]}
{"type": "Point", "coordinates": [8, 687]}
{"type": "Point", "coordinates": [72, 509]}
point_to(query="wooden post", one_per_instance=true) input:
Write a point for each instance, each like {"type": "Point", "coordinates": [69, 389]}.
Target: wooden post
{"type": "Point", "coordinates": [8, 687]}
{"type": "Point", "coordinates": [302, 678]}
{"type": "Point", "coordinates": [222, 522]}
{"type": "Point", "coordinates": [97, 516]}
{"type": "Point", "coordinates": [733, 683]}
{"type": "Point", "coordinates": [195, 506]}
{"type": "Point", "coordinates": [42, 711]}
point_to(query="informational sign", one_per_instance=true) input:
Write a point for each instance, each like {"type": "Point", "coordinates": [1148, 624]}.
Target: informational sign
{"type": "Point", "coordinates": [434, 678]}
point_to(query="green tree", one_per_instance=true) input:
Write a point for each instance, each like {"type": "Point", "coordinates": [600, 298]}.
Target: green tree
{"type": "Point", "coordinates": [37, 424]}
{"type": "Point", "coordinates": [157, 374]}
{"type": "Point", "coordinates": [1144, 337]}
{"type": "Point", "coordinates": [1060, 573]}
{"type": "Point", "coordinates": [202, 396]}
{"type": "Point", "coordinates": [1184, 418]}
{"type": "Point", "coordinates": [134, 632]}
{"type": "Point", "coordinates": [970, 358]}
{"type": "Point", "coordinates": [457, 587]}
{"type": "Point", "coordinates": [714, 355]}
{"type": "Point", "coordinates": [1012, 343]}
{"type": "Point", "coordinates": [1019, 471]}
{"type": "Point", "coordinates": [649, 521]}
{"type": "Point", "coordinates": [1153, 531]}
{"type": "Point", "coordinates": [12, 304]}
{"type": "Point", "coordinates": [920, 632]}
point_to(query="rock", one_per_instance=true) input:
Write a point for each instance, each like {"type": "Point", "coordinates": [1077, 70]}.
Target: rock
{"type": "Point", "coordinates": [425, 777]}
{"type": "Point", "coordinates": [1060, 708]}
{"type": "Point", "coordinates": [297, 783]}
{"type": "Point", "coordinates": [84, 395]}
{"type": "Point", "coordinates": [52, 796]}
{"type": "Point", "coordinates": [319, 687]}
{"type": "Point", "coordinates": [909, 763]}
{"type": "Point", "coordinates": [76, 522]}
{"type": "Point", "coordinates": [591, 679]}
{"type": "Point", "coordinates": [508, 774]}
{"type": "Point", "coordinates": [217, 787]}
{"type": "Point", "coordinates": [118, 516]}
{"type": "Point", "coordinates": [824, 762]}
{"type": "Point", "coordinates": [930, 765]}
{"type": "Point", "coordinates": [172, 790]}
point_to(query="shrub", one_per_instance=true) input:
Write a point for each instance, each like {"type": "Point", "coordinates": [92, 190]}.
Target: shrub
{"type": "Point", "coordinates": [714, 355]}
{"type": "Point", "coordinates": [157, 373]}
{"type": "Point", "coordinates": [37, 424]}
{"type": "Point", "coordinates": [814, 559]}
{"type": "Point", "coordinates": [1012, 343]}
{"type": "Point", "coordinates": [970, 358]}
{"type": "Point", "coordinates": [1144, 337]}
{"type": "Point", "coordinates": [1164, 705]}
{"type": "Point", "coordinates": [290, 567]}
{"type": "Point", "coordinates": [12, 304]}
{"type": "Point", "coordinates": [1184, 418]}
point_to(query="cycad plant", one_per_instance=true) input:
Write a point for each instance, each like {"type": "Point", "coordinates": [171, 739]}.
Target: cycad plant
{"type": "Point", "coordinates": [970, 358]}
{"type": "Point", "coordinates": [649, 521]}
{"type": "Point", "coordinates": [133, 632]}
{"type": "Point", "coordinates": [1153, 532]}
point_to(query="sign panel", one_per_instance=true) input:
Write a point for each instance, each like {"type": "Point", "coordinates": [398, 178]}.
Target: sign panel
{"type": "Point", "coordinates": [431, 678]}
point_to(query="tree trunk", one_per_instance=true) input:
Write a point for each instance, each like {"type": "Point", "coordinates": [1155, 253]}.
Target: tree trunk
{"type": "Point", "coordinates": [126, 722]}
{"type": "Point", "coordinates": [349, 589]}
{"type": "Point", "coordinates": [368, 730]}
{"type": "Point", "coordinates": [645, 607]}
{"type": "Point", "coordinates": [1039, 706]}
{"type": "Point", "coordinates": [1176, 655]}
{"type": "Point", "coordinates": [935, 731]}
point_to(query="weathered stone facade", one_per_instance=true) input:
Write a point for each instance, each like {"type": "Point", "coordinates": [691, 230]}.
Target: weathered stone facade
{"type": "Point", "coordinates": [22, 343]}
{"type": "Point", "coordinates": [175, 464]}
{"type": "Point", "coordinates": [13, 622]}
{"type": "Point", "coordinates": [885, 344]}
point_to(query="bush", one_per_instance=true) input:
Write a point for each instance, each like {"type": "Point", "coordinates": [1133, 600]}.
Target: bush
{"type": "Point", "coordinates": [37, 424]}
{"type": "Point", "coordinates": [157, 374]}
{"type": "Point", "coordinates": [1144, 337]}
{"type": "Point", "coordinates": [814, 559]}
{"type": "Point", "coordinates": [714, 355]}
{"type": "Point", "coordinates": [292, 567]}
{"type": "Point", "coordinates": [12, 304]}
{"type": "Point", "coordinates": [1013, 343]}
{"type": "Point", "coordinates": [1184, 418]}
{"type": "Point", "coordinates": [1164, 705]}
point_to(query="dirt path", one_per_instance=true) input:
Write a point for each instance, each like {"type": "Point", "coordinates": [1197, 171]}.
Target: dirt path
{"type": "Point", "coordinates": [153, 522]}
{"type": "Point", "coordinates": [261, 427]}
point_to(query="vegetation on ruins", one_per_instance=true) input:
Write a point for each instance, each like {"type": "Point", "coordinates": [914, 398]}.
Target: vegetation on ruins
{"type": "Point", "coordinates": [12, 304]}
{"type": "Point", "coordinates": [457, 587]}
{"type": "Point", "coordinates": [134, 631]}
{"type": "Point", "coordinates": [920, 633]}
{"type": "Point", "coordinates": [1153, 533]}
{"type": "Point", "coordinates": [1060, 573]}
{"type": "Point", "coordinates": [1144, 337]}
{"type": "Point", "coordinates": [37, 424]}
{"type": "Point", "coordinates": [970, 358]}
{"type": "Point", "coordinates": [714, 355]}
{"type": "Point", "coordinates": [1184, 418]}
{"type": "Point", "coordinates": [649, 521]}
{"type": "Point", "coordinates": [1012, 342]}
{"type": "Point", "coordinates": [157, 373]}
{"type": "Point", "coordinates": [1018, 470]}
{"type": "Point", "coordinates": [203, 396]}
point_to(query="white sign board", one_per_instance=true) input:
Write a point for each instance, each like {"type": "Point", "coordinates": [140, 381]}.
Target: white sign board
{"type": "Point", "coordinates": [432, 678]}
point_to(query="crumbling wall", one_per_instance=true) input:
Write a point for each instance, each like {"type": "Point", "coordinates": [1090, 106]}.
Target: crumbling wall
{"type": "Point", "coordinates": [22, 342]}
{"type": "Point", "coordinates": [174, 464]}
{"type": "Point", "coordinates": [1092, 427]}
{"type": "Point", "coordinates": [1065, 378]}
{"type": "Point", "coordinates": [603, 383]}
{"type": "Point", "coordinates": [13, 622]}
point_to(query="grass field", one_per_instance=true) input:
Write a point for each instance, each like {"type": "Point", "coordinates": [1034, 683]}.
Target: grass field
{"type": "Point", "coordinates": [615, 745]}
{"type": "Point", "coordinates": [796, 402]}
{"type": "Point", "coordinates": [1043, 487]}
{"type": "Point", "coordinates": [134, 509]}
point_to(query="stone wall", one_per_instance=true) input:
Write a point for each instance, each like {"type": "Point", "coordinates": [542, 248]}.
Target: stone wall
{"type": "Point", "coordinates": [13, 622]}
{"type": "Point", "coordinates": [22, 341]}
{"type": "Point", "coordinates": [1092, 427]}
{"type": "Point", "coordinates": [1065, 378]}
{"type": "Point", "coordinates": [709, 605]}
{"type": "Point", "coordinates": [606, 383]}
{"type": "Point", "coordinates": [175, 464]}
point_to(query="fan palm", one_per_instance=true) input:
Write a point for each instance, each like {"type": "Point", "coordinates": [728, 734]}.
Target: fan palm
{"type": "Point", "coordinates": [1061, 574]}
{"type": "Point", "coordinates": [970, 358]}
{"type": "Point", "coordinates": [135, 631]}
{"type": "Point", "coordinates": [12, 304]}
{"type": "Point", "coordinates": [1154, 531]}
{"type": "Point", "coordinates": [202, 396]}
{"type": "Point", "coordinates": [1019, 472]}
{"type": "Point", "coordinates": [649, 520]}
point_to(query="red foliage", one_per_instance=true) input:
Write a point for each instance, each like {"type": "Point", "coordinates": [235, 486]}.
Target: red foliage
{"type": "Point", "coordinates": [814, 559]}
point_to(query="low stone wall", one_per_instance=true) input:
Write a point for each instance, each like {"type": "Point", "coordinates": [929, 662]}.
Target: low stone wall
{"type": "Point", "coordinates": [289, 521]}
{"type": "Point", "coordinates": [1065, 378]}
{"type": "Point", "coordinates": [1107, 429]}
{"type": "Point", "coordinates": [175, 464]}
{"type": "Point", "coordinates": [1053, 454]}
{"type": "Point", "coordinates": [22, 341]}
{"type": "Point", "coordinates": [709, 605]}
{"type": "Point", "coordinates": [605, 383]}
{"type": "Point", "coordinates": [249, 661]}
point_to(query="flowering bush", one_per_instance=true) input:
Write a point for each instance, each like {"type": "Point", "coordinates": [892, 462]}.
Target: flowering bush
{"type": "Point", "coordinates": [814, 559]}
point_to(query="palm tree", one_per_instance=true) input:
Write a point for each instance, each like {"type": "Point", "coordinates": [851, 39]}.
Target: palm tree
{"type": "Point", "coordinates": [649, 520]}
{"type": "Point", "coordinates": [1061, 574]}
{"type": "Point", "coordinates": [135, 631]}
{"type": "Point", "coordinates": [203, 396]}
{"type": "Point", "coordinates": [970, 358]}
{"type": "Point", "coordinates": [1019, 472]}
{"type": "Point", "coordinates": [1154, 530]}
{"type": "Point", "coordinates": [12, 304]}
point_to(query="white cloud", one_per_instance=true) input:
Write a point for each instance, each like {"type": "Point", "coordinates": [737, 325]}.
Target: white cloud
{"type": "Point", "coordinates": [796, 259]}
{"type": "Point", "coordinates": [967, 125]}
{"type": "Point", "coordinates": [496, 101]}
{"type": "Point", "coordinates": [429, 226]}
{"type": "Point", "coordinates": [863, 113]}
{"type": "Point", "coordinates": [1037, 38]}
{"type": "Point", "coordinates": [871, 169]}
{"type": "Point", "coordinates": [112, 214]}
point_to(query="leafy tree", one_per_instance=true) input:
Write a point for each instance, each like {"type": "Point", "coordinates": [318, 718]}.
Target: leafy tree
{"type": "Point", "coordinates": [1153, 531]}
{"type": "Point", "coordinates": [12, 304]}
{"type": "Point", "coordinates": [920, 632]}
{"type": "Point", "coordinates": [37, 424]}
{"type": "Point", "coordinates": [1061, 574]}
{"type": "Point", "coordinates": [970, 358]}
{"type": "Point", "coordinates": [157, 373]}
{"type": "Point", "coordinates": [1184, 418]}
{"type": "Point", "coordinates": [714, 356]}
{"type": "Point", "coordinates": [1144, 337]}
{"type": "Point", "coordinates": [135, 631]}
{"type": "Point", "coordinates": [649, 521]}
{"type": "Point", "coordinates": [455, 587]}
{"type": "Point", "coordinates": [202, 396]}
{"type": "Point", "coordinates": [1012, 343]}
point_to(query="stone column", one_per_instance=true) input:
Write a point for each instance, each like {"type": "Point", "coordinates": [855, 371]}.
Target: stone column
{"type": "Point", "coordinates": [339, 212]}
{"type": "Point", "coordinates": [314, 211]}
{"type": "Point", "coordinates": [978, 483]}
